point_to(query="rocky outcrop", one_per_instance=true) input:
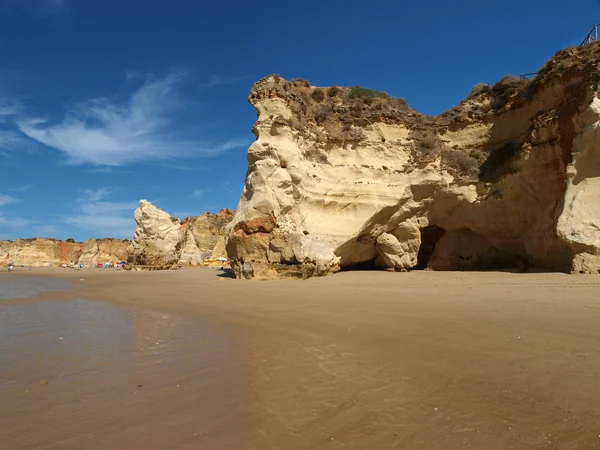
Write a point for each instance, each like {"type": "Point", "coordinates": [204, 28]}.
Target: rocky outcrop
{"type": "Point", "coordinates": [342, 178]}
{"type": "Point", "coordinates": [163, 240]}
{"type": "Point", "coordinates": [40, 252]}
{"type": "Point", "coordinates": [203, 237]}
{"type": "Point", "coordinates": [158, 238]}
{"type": "Point", "coordinates": [99, 251]}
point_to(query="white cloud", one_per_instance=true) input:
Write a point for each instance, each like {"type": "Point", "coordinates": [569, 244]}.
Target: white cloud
{"type": "Point", "coordinates": [8, 199]}
{"type": "Point", "coordinates": [95, 195]}
{"type": "Point", "coordinates": [9, 140]}
{"type": "Point", "coordinates": [103, 218]}
{"type": "Point", "coordinates": [8, 110]}
{"type": "Point", "coordinates": [103, 132]}
{"type": "Point", "coordinates": [15, 222]}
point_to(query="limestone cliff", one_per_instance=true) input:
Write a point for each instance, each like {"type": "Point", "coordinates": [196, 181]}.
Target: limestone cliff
{"type": "Point", "coordinates": [99, 251]}
{"type": "Point", "coordinates": [40, 252]}
{"type": "Point", "coordinates": [204, 236]}
{"type": "Point", "coordinates": [5, 247]}
{"type": "Point", "coordinates": [343, 177]}
{"type": "Point", "coordinates": [163, 240]}
{"type": "Point", "coordinates": [158, 238]}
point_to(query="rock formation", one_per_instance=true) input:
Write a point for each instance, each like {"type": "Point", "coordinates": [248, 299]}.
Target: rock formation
{"type": "Point", "coordinates": [203, 236]}
{"type": "Point", "coordinates": [158, 237]}
{"type": "Point", "coordinates": [160, 240]}
{"type": "Point", "coordinates": [349, 177]}
{"type": "Point", "coordinates": [40, 252]}
{"type": "Point", "coordinates": [5, 247]}
{"type": "Point", "coordinates": [99, 251]}
{"type": "Point", "coordinates": [163, 240]}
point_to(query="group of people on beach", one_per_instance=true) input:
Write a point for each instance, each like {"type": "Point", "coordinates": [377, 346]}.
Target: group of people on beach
{"type": "Point", "coordinates": [11, 267]}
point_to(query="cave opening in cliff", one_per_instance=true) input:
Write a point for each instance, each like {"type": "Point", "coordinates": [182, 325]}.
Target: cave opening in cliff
{"type": "Point", "coordinates": [363, 265]}
{"type": "Point", "coordinates": [429, 238]}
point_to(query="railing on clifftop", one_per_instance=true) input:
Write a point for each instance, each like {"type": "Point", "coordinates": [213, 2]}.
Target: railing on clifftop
{"type": "Point", "coordinates": [592, 36]}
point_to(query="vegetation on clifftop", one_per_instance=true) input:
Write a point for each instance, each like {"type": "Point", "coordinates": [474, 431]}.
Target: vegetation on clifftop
{"type": "Point", "coordinates": [339, 115]}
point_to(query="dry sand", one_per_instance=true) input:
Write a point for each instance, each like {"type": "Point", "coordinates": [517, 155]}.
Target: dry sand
{"type": "Point", "coordinates": [368, 360]}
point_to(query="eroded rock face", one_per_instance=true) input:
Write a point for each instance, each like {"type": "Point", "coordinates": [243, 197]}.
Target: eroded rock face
{"type": "Point", "coordinates": [158, 237]}
{"type": "Point", "coordinates": [203, 237]}
{"type": "Point", "coordinates": [99, 251]}
{"type": "Point", "coordinates": [163, 240]}
{"type": "Point", "coordinates": [40, 252]}
{"type": "Point", "coordinates": [338, 178]}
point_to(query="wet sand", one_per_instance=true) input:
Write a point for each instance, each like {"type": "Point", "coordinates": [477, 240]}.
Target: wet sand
{"type": "Point", "coordinates": [361, 360]}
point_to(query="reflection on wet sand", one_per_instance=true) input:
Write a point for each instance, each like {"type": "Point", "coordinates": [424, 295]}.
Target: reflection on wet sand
{"type": "Point", "coordinates": [12, 286]}
{"type": "Point", "coordinates": [115, 378]}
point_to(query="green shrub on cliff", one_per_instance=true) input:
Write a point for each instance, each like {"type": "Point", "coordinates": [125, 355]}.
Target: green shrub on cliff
{"type": "Point", "coordinates": [362, 92]}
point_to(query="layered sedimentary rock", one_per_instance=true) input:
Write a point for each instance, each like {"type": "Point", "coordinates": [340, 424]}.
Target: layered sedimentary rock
{"type": "Point", "coordinates": [203, 236]}
{"type": "Point", "coordinates": [99, 251]}
{"type": "Point", "coordinates": [5, 247]}
{"type": "Point", "coordinates": [163, 240]}
{"type": "Point", "coordinates": [342, 178]}
{"type": "Point", "coordinates": [40, 252]}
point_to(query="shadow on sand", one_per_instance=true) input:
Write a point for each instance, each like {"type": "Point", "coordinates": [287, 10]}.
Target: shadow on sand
{"type": "Point", "coordinates": [225, 273]}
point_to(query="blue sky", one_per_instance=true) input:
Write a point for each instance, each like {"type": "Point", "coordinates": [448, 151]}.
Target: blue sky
{"type": "Point", "coordinates": [103, 103]}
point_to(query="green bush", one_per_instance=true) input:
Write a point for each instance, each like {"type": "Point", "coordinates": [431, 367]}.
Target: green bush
{"type": "Point", "coordinates": [362, 92]}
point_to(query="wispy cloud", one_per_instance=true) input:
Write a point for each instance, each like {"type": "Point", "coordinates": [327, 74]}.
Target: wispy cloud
{"type": "Point", "coordinates": [132, 75]}
{"type": "Point", "coordinates": [46, 230]}
{"type": "Point", "coordinates": [216, 80]}
{"type": "Point", "coordinates": [103, 218]}
{"type": "Point", "coordinates": [14, 222]}
{"type": "Point", "coordinates": [8, 110]}
{"type": "Point", "coordinates": [107, 169]}
{"type": "Point", "coordinates": [188, 168]}
{"type": "Point", "coordinates": [8, 199]}
{"type": "Point", "coordinates": [21, 188]}
{"type": "Point", "coordinates": [103, 132]}
{"type": "Point", "coordinates": [95, 195]}
{"type": "Point", "coordinates": [198, 193]}
{"type": "Point", "coordinates": [11, 222]}
{"type": "Point", "coordinates": [9, 139]}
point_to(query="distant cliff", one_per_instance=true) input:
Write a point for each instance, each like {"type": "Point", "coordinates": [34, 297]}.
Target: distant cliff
{"type": "Point", "coordinates": [163, 240]}
{"type": "Point", "coordinates": [349, 177]}
{"type": "Point", "coordinates": [41, 252]}
{"type": "Point", "coordinates": [160, 240]}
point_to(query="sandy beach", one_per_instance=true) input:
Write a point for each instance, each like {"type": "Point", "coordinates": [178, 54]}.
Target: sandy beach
{"type": "Point", "coordinates": [375, 360]}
